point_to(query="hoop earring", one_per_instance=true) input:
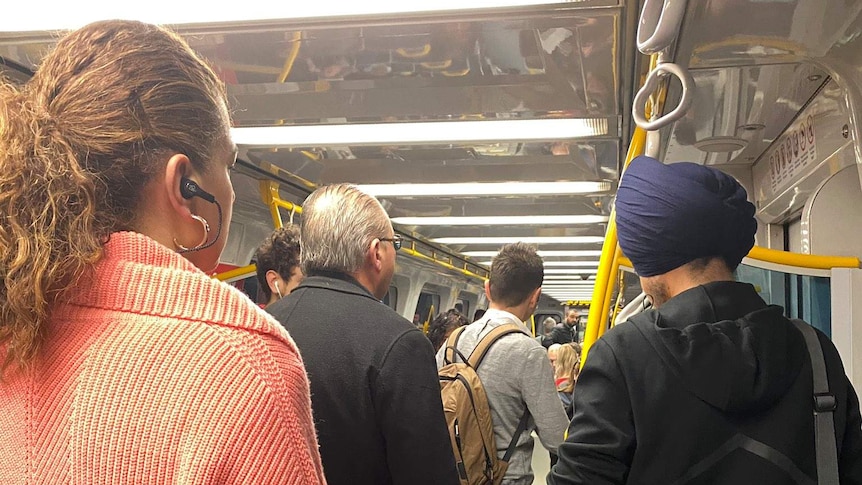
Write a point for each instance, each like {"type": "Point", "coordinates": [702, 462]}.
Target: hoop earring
{"type": "Point", "coordinates": [183, 249]}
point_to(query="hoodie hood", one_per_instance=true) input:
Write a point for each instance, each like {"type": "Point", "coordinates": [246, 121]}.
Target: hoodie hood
{"type": "Point", "coordinates": [728, 346]}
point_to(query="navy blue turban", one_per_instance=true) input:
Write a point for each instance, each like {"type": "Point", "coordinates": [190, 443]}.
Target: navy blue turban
{"type": "Point", "coordinates": [670, 215]}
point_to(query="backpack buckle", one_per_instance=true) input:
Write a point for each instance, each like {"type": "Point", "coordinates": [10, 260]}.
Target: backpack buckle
{"type": "Point", "coordinates": [825, 402]}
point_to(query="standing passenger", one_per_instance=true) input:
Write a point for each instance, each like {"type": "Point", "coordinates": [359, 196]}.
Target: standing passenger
{"type": "Point", "coordinates": [123, 361]}
{"type": "Point", "coordinates": [564, 332]}
{"type": "Point", "coordinates": [712, 385]}
{"type": "Point", "coordinates": [374, 388]}
{"type": "Point", "coordinates": [277, 261]}
{"type": "Point", "coordinates": [443, 326]}
{"type": "Point", "coordinates": [515, 373]}
{"type": "Point", "coordinates": [547, 327]}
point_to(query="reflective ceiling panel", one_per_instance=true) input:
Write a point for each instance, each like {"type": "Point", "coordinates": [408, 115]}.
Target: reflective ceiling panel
{"type": "Point", "coordinates": [529, 63]}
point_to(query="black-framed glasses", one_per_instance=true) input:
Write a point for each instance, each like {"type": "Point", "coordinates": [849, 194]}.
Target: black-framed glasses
{"type": "Point", "coordinates": [395, 240]}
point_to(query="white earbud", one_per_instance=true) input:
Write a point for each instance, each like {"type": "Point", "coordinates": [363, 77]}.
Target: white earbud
{"type": "Point", "coordinates": [278, 290]}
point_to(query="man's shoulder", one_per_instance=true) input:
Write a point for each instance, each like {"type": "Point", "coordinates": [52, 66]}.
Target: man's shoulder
{"type": "Point", "coordinates": [631, 335]}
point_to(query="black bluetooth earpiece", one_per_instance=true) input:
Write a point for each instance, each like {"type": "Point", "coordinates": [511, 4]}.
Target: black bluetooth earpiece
{"type": "Point", "coordinates": [189, 188]}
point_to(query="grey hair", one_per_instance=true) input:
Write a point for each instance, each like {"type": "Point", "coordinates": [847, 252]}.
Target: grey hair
{"type": "Point", "coordinates": [338, 224]}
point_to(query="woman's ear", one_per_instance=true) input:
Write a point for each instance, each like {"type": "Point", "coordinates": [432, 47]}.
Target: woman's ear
{"type": "Point", "coordinates": [178, 167]}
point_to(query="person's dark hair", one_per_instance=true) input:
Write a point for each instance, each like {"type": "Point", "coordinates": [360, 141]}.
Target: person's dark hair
{"type": "Point", "coordinates": [516, 272]}
{"type": "Point", "coordinates": [478, 314]}
{"type": "Point", "coordinates": [104, 111]}
{"type": "Point", "coordinates": [279, 252]}
{"type": "Point", "coordinates": [443, 325]}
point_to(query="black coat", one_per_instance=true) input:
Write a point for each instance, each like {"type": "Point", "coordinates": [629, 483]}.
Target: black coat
{"type": "Point", "coordinates": [562, 333]}
{"type": "Point", "coordinates": [663, 392]}
{"type": "Point", "coordinates": [374, 391]}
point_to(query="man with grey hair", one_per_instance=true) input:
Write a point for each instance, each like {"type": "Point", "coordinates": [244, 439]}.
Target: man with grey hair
{"type": "Point", "coordinates": [374, 389]}
{"type": "Point", "coordinates": [547, 327]}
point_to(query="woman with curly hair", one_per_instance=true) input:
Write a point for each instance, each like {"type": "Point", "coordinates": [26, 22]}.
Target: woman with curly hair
{"type": "Point", "coordinates": [443, 325]}
{"type": "Point", "coordinates": [122, 360]}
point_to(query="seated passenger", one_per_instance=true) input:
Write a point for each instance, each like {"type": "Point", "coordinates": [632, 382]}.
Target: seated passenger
{"type": "Point", "coordinates": [277, 261]}
{"type": "Point", "coordinates": [712, 385]}
{"type": "Point", "coordinates": [123, 361]}
{"type": "Point", "coordinates": [443, 326]}
{"type": "Point", "coordinates": [516, 374]}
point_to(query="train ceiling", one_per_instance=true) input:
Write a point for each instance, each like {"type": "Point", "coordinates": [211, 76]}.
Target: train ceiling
{"type": "Point", "coordinates": [439, 113]}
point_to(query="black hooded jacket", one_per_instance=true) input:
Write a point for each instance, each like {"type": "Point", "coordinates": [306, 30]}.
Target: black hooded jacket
{"type": "Point", "coordinates": [691, 392]}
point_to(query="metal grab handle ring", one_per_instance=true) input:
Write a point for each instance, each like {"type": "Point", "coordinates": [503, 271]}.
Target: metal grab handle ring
{"type": "Point", "coordinates": [651, 84]}
{"type": "Point", "coordinates": [663, 17]}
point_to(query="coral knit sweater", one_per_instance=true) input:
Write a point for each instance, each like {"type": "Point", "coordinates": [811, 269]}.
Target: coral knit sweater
{"type": "Point", "coordinates": [153, 373]}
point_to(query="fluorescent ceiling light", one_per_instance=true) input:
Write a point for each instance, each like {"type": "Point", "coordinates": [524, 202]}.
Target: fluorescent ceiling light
{"type": "Point", "coordinates": [66, 15]}
{"type": "Point", "coordinates": [551, 253]}
{"type": "Point", "coordinates": [472, 189]}
{"type": "Point", "coordinates": [428, 132]}
{"type": "Point", "coordinates": [577, 282]}
{"type": "Point", "coordinates": [566, 264]}
{"type": "Point", "coordinates": [526, 239]}
{"type": "Point", "coordinates": [582, 264]}
{"type": "Point", "coordinates": [500, 220]}
{"type": "Point", "coordinates": [569, 271]}
{"type": "Point", "coordinates": [563, 277]}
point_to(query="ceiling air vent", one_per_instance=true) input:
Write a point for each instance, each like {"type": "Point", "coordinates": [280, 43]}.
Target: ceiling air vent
{"type": "Point", "coordinates": [721, 144]}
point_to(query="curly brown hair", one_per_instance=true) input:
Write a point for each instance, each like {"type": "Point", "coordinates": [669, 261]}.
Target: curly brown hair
{"type": "Point", "coordinates": [279, 252]}
{"type": "Point", "coordinates": [443, 325]}
{"type": "Point", "coordinates": [78, 142]}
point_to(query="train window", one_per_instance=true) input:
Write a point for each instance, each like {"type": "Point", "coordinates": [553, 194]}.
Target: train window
{"type": "Point", "coordinates": [802, 296]}
{"type": "Point", "coordinates": [427, 308]}
{"type": "Point", "coordinates": [391, 298]}
{"type": "Point", "coordinates": [463, 306]}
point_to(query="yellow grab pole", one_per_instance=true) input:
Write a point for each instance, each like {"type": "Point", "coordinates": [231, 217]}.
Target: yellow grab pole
{"type": "Point", "coordinates": [609, 294]}
{"type": "Point", "coordinates": [609, 248]}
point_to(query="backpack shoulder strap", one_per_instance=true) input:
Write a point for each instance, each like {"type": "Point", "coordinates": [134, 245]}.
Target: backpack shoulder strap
{"type": "Point", "coordinates": [452, 345]}
{"type": "Point", "coordinates": [824, 406]}
{"type": "Point", "coordinates": [482, 347]}
{"type": "Point", "coordinates": [522, 425]}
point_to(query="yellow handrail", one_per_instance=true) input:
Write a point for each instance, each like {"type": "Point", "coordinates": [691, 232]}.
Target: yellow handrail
{"type": "Point", "coordinates": [609, 248]}
{"type": "Point", "coordinates": [786, 258]}
{"type": "Point", "coordinates": [269, 194]}
{"type": "Point", "coordinates": [810, 261]}
{"type": "Point", "coordinates": [417, 254]}
{"type": "Point", "coordinates": [233, 273]}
